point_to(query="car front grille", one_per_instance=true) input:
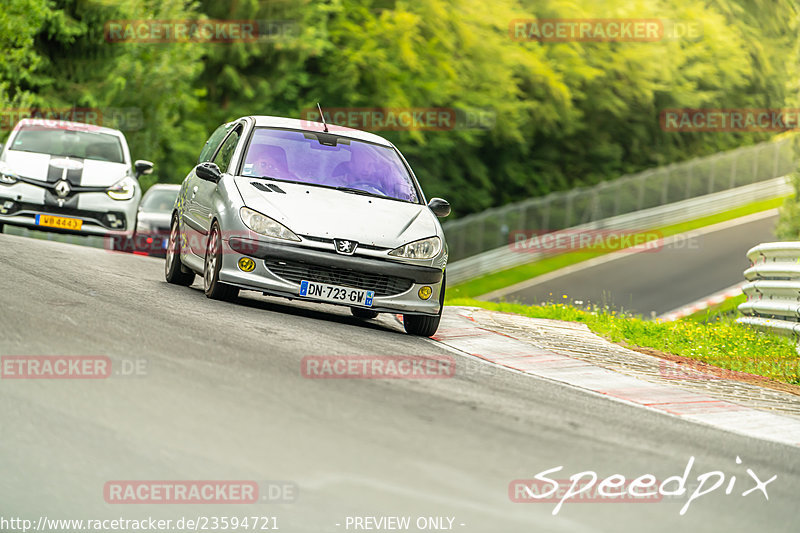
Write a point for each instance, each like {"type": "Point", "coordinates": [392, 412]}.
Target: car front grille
{"type": "Point", "coordinates": [12, 207]}
{"type": "Point", "coordinates": [297, 272]}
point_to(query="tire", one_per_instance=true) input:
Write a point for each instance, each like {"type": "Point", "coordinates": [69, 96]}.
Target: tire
{"type": "Point", "coordinates": [364, 314]}
{"type": "Point", "coordinates": [173, 271]}
{"type": "Point", "coordinates": [214, 288]}
{"type": "Point", "coordinates": [425, 326]}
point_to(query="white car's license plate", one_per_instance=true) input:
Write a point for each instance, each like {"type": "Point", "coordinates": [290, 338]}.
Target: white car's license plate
{"type": "Point", "coordinates": [335, 293]}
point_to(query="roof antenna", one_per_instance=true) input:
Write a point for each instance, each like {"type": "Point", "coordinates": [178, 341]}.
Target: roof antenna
{"type": "Point", "coordinates": [321, 116]}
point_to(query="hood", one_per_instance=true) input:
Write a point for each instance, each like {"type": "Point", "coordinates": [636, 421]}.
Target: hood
{"type": "Point", "coordinates": [46, 167]}
{"type": "Point", "coordinates": [328, 213]}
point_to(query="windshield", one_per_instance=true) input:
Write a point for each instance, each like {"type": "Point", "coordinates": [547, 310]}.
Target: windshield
{"type": "Point", "coordinates": [69, 143]}
{"type": "Point", "coordinates": [159, 201]}
{"type": "Point", "coordinates": [335, 162]}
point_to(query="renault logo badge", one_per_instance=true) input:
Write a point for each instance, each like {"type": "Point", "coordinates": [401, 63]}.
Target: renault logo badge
{"type": "Point", "coordinates": [63, 189]}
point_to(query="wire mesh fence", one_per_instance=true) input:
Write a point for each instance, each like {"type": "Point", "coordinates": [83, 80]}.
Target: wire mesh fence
{"type": "Point", "coordinates": [490, 229]}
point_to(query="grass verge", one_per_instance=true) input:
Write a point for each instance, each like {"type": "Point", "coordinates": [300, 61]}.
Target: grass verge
{"type": "Point", "coordinates": [726, 309]}
{"type": "Point", "coordinates": [505, 278]}
{"type": "Point", "coordinates": [723, 343]}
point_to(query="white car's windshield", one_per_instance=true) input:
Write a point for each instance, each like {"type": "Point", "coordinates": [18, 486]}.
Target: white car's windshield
{"type": "Point", "coordinates": [328, 160]}
{"type": "Point", "coordinates": [68, 143]}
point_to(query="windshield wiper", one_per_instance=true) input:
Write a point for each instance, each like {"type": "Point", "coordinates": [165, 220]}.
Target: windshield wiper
{"type": "Point", "coordinates": [270, 178]}
{"type": "Point", "coordinates": [360, 191]}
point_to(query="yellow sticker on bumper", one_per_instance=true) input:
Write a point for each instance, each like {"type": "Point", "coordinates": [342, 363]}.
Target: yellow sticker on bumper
{"type": "Point", "coordinates": [246, 264]}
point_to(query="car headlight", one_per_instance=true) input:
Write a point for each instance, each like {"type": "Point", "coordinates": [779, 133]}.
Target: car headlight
{"type": "Point", "coordinates": [266, 226]}
{"type": "Point", "coordinates": [421, 249]}
{"type": "Point", "coordinates": [6, 176]}
{"type": "Point", "coordinates": [124, 189]}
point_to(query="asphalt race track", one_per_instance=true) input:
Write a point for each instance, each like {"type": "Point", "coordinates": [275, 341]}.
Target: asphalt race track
{"type": "Point", "coordinates": [220, 396]}
{"type": "Point", "coordinates": [657, 281]}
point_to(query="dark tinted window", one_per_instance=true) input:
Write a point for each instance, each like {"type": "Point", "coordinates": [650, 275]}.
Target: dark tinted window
{"type": "Point", "coordinates": [213, 142]}
{"type": "Point", "coordinates": [300, 156]}
{"type": "Point", "coordinates": [159, 200]}
{"type": "Point", "coordinates": [225, 154]}
{"type": "Point", "coordinates": [68, 143]}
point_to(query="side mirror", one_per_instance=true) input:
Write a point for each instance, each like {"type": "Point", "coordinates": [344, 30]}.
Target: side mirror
{"type": "Point", "coordinates": [440, 207]}
{"type": "Point", "coordinates": [142, 167]}
{"type": "Point", "coordinates": [208, 171]}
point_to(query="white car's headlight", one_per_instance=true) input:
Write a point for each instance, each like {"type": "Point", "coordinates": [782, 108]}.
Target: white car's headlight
{"type": "Point", "coordinates": [266, 226]}
{"type": "Point", "coordinates": [124, 189]}
{"type": "Point", "coordinates": [6, 176]}
{"type": "Point", "coordinates": [421, 249]}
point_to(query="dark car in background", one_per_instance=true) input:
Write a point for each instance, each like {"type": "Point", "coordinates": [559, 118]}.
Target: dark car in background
{"type": "Point", "coordinates": [153, 219]}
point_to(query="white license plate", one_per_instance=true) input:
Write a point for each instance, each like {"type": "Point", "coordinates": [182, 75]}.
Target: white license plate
{"type": "Point", "coordinates": [335, 293]}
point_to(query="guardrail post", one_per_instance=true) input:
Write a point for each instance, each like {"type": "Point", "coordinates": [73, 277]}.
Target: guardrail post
{"type": "Point", "coordinates": [776, 158]}
{"type": "Point", "coordinates": [755, 165]}
{"type": "Point", "coordinates": [640, 198]}
{"type": "Point", "coordinates": [568, 210]}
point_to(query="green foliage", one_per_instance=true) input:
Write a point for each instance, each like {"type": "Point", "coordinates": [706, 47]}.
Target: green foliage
{"type": "Point", "coordinates": [566, 114]}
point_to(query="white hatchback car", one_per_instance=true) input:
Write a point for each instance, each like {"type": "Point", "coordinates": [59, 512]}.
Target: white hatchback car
{"type": "Point", "coordinates": [288, 208]}
{"type": "Point", "coordinates": [70, 177]}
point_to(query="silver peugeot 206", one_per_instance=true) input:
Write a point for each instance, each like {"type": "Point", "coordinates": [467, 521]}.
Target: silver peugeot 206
{"type": "Point", "coordinates": [301, 210]}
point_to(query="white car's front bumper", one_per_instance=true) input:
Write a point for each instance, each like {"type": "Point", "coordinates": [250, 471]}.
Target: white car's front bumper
{"type": "Point", "coordinates": [99, 213]}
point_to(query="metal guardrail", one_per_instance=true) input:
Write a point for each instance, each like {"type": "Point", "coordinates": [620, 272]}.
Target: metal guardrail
{"type": "Point", "coordinates": [506, 256]}
{"type": "Point", "coordinates": [773, 288]}
{"type": "Point", "coordinates": [490, 229]}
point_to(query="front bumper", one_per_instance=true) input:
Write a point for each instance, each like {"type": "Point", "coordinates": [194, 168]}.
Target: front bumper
{"type": "Point", "coordinates": [279, 269]}
{"type": "Point", "coordinates": [100, 215]}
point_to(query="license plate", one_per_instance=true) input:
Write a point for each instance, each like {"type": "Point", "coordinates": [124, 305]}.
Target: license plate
{"type": "Point", "coordinates": [334, 293]}
{"type": "Point", "coordinates": [59, 222]}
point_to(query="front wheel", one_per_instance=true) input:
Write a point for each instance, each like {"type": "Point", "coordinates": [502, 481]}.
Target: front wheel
{"type": "Point", "coordinates": [214, 288]}
{"type": "Point", "coordinates": [172, 265]}
{"type": "Point", "coordinates": [425, 326]}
